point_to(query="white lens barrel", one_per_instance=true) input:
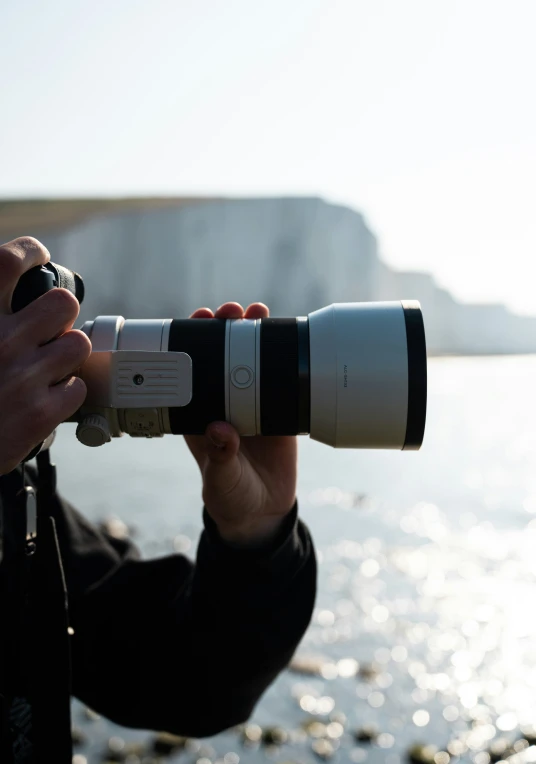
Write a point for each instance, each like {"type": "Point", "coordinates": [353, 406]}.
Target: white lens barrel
{"type": "Point", "coordinates": [129, 376]}
{"type": "Point", "coordinates": [353, 375]}
{"type": "Point", "coordinates": [362, 375]}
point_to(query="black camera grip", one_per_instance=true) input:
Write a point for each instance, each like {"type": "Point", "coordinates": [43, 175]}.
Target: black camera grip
{"type": "Point", "coordinates": [37, 282]}
{"type": "Point", "coordinates": [41, 279]}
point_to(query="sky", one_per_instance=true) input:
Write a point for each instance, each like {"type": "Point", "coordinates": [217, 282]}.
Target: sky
{"type": "Point", "coordinates": [420, 114]}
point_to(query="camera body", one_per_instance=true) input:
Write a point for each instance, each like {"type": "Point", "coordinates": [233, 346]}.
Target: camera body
{"type": "Point", "coordinates": [352, 375]}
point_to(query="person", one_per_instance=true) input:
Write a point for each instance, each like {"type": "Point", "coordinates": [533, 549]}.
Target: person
{"type": "Point", "coordinates": [161, 644]}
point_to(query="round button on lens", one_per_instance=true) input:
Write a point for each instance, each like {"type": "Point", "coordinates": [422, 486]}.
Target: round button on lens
{"type": "Point", "coordinates": [242, 376]}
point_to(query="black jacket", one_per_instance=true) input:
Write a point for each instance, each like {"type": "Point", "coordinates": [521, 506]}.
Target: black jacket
{"type": "Point", "coordinates": [163, 644]}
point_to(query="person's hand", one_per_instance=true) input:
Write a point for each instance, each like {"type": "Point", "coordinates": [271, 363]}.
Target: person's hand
{"type": "Point", "coordinates": [38, 354]}
{"type": "Point", "coordinates": [249, 483]}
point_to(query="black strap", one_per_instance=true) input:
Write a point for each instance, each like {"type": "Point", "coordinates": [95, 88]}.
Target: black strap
{"type": "Point", "coordinates": [5, 737]}
{"type": "Point", "coordinates": [1, 530]}
{"type": "Point", "coordinates": [52, 676]}
{"type": "Point", "coordinates": [46, 471]}
{"type": "Point", "coordinates": [50, 671]}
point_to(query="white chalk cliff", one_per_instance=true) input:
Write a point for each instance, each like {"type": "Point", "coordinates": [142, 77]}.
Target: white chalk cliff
{"type": "Point", "coordinates": [295, 254]}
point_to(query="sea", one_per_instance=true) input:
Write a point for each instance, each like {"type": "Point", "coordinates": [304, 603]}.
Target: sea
{"type": "Point", "coordinates": [422, 646]}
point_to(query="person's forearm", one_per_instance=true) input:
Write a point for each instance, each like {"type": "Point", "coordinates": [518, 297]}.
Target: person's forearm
{"type": "Point", "coordinates": [164, 628]}
{"type": "Point", "coordinates": [246, 620]}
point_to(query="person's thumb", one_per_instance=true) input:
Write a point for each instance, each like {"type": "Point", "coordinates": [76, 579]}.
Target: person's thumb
{"type": "Point", "coordinates": [223, 471]}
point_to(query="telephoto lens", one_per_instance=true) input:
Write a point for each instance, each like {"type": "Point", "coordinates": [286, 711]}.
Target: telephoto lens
{"type": "Point", "coordinates": [352, 375]}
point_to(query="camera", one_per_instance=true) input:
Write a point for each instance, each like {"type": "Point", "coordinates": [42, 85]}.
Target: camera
{"type": "Point", "coordinates": [352, 375]}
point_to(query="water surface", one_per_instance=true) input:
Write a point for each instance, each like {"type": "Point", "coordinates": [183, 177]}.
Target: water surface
{"type": "Point", "coordinates": [427, 576]}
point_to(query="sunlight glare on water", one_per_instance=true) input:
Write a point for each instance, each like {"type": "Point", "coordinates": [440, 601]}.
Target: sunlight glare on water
{"type": "Point", "coordinates": [425, 626]}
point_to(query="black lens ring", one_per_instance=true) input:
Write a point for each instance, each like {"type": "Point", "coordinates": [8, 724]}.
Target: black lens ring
{"type": "Point", "coordinates": [304, 380]}
{"type": "Point", "coordinates": [204, 341]}
{"type": "Point", "coordinates": [279, 383]}
{"type": "Point", "coordinates": [417, 376]}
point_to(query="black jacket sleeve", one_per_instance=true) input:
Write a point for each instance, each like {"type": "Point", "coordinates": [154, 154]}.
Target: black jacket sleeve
{"type": "Point", "coordinates": [167, 644]}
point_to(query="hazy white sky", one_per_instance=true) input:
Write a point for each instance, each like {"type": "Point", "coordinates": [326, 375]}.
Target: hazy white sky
{"type": "Point", "coordinates": [421, 113]}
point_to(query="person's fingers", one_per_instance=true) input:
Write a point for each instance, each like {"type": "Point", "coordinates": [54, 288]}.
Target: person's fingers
{"type": "Point", "coordinates": [219, 443]}
{"type": "Point", "coordinates": [257, 310]}
{"type": "Point", "coordinates": [230, 310]}
{"type": "Point", "coordinates": [62, 357]}
{"type": "Point", "coordinates": [47, 408]}
{"type": "Point", "coordinates": [202, 313]}
{"type": "Point", "coordinates": [17, 257]}
{"type": "Point", "coordinates": [45, 318]}
{"type": "Point", "coordinates": [223, 442]}
{"type": "Point", "coordinates": [64, 399]}
{"type": "Point", "coordinates": [223, 469]}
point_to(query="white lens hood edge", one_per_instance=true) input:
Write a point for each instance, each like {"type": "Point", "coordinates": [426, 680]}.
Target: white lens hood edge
{"type": "Point", "coordinates": [359, 375]}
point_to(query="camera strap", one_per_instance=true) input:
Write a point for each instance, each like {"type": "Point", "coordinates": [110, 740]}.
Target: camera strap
{"type": "Point", "coordinates": [1, 530]}
{"type": "Point", "coordinates": [28, 501]}
{"type": "Point", "coordinates": [46, 472]}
